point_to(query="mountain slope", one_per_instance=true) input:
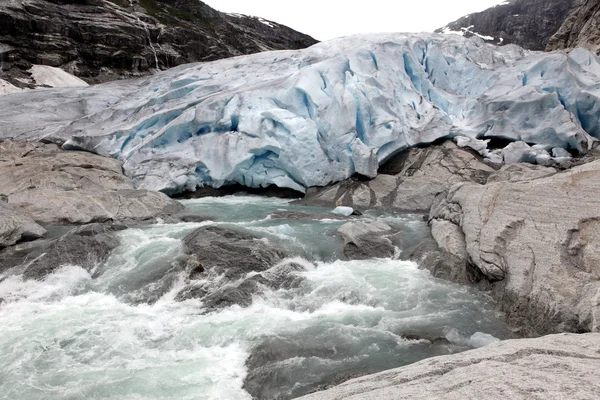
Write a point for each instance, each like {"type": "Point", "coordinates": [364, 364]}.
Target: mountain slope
{"type": "Point", "coordinates": [101, 40]}
{"type": "Point", "coordinates": [580, 29]}
{"type": "Point", "coordinates": [527, 23]}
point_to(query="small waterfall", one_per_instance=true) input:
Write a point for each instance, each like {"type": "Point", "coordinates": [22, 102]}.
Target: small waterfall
{"type": "Point", "coordinates": [148, 36]}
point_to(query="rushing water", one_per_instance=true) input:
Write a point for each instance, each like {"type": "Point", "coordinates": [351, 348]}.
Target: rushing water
{"type": "Point", "coordinates": [80, 335]}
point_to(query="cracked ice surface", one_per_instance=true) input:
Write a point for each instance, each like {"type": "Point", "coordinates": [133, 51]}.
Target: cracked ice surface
{"type": "Point", "coordinates": [311, 117]}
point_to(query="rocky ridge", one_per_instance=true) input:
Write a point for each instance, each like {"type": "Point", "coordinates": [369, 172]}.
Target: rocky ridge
{"type": "Point", "coordinates": [101, 40]}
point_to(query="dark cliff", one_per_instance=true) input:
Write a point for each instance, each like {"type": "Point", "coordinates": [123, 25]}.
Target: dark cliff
{"type": "Point", "coordinates": [101, 40]}
{"type": "Point", "coordinates": [527, 23]}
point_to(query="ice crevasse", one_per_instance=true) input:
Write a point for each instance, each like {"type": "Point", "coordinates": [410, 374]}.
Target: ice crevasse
{"type": "Point", "coordinates": [306, 118]}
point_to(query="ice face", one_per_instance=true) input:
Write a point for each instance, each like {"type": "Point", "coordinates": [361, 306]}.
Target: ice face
{"type": "Point", "coordinates": [307, 118]}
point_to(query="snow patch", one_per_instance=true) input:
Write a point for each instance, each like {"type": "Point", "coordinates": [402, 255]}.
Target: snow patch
{"type": "Point", "coordinates": [44, 75]}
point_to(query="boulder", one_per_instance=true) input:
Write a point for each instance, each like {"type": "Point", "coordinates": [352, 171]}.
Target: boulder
{"type": "Point", "coordinates": [534, 243]}
{"type": "Point", "coordinates": [54, 186]}
{"type": "Point", "coordinates": [553, 367]}
{"type": "Point", "coordinates": [16, 228]}
{"type": "Point", "coordinates": [228, 267]}
{"type": "Point", "coordinates": [87, 247]}
{"type": "Point", "coordinates": [231, 253]}
{"type": "Point", "coordinates": [367, 239]}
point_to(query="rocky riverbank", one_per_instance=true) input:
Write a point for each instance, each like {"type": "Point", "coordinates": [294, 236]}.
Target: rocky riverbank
{"type": "Point", "coordinates": [552, 367]}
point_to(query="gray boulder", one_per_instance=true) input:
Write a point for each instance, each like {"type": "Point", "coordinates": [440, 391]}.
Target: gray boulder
{"type": "Point", "coordinates": [367, 239]}
{"type": "Point", "coordinates": [16, 228]}
{"type": "Point", "coordinates": [87, 247]}
{"type": "Point", "coordinates": [553, 367]}
{"type": "Point", "coordinates": [535, 243]}
{"type": "Point", "coordinates": [227, 267]}
{"type": "Point", "coordinates": [54, 186]}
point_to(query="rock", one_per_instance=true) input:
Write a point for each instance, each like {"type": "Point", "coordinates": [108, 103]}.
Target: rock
{"type": "Point", "coordinates": [299, 215]}
{"type": "Point", "coordinates": [231, 253]}
{"type": "Point", "coordinates": [54, 186]}
{"type": "Point", "coordinates": [441, 263]}
{"type": "Point", "coordinates": [99, 40]}
{"type": "Point", "coordinates": [580, 29]}
{"type": "Point", "coordinates": [367, 239]}
{"type": "Point", "coordinates": [16, 228]}
{"type": "Point", "coordinates": [527, 23]}
{"type": "Point", "coordinates": [87, 247]}
{"type": "Point", "coordinates": [411, 180]}
{"type": "Point", "coordinates": [535, 243]}
{"type": "Point", "coordinates": [345, 211]}
{"type": "Point", "coordinates": [553, 367]}
{"type": "Point", "coordinates": [449, 237]}
{"type": "Point", "coordinates": [521, 172]}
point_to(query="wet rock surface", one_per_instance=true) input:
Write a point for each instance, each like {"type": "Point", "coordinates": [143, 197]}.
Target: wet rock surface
{"type": "Point", "coordinates": [367, 239]}
{"type": "Point", "coordinates": [87, 247]}
{"type": "Point", "coordinates": [229, 267]}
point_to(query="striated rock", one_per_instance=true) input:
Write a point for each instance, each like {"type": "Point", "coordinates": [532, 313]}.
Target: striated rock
{"type": "Point", "coordinates": [553, 367]}
{"type": "Point", "coordinates": [580, 29]}
{"type": "Point", "coordinates": [364, 240]}
{"type": "Point", "coordinates": [51, 185]}
{"type": "Point", "coordinates": [527, 23]}
{"type": "Point", "coordinates": [409, 181]}
{"type": "Point", "coordinates": [101, 40]}
{"type": "Point", "coordinates": [16, 228]}
{"type": "Point", "coordinates": [534, 242]}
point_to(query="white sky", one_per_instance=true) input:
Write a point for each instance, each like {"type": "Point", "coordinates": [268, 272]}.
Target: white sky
{"type": "Point", "coordinates": [326, 19]}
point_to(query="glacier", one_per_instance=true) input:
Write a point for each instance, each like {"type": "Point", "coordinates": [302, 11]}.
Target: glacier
{"type": "Point", "coordinates": [299, 119]}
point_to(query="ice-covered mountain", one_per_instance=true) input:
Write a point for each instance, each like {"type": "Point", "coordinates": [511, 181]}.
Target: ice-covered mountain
{"type": "Point", "coordinates": [527, 23]}
{"type": "Point", "coordinates": [306, 118]}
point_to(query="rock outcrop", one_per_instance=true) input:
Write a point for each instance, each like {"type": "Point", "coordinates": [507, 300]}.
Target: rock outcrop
{"type": "Point", "coordinates": [580, 29]}
{"type": "Point", "coordinates": [527, 23]}
{"type": "Point", "coordinates": [532, 237]}
{"type": "Point", "coordinates": [553, 367]}
{"type": "Point", "coordinates": [367, 239]}
{"type": "Point", "coordinates": [101, 40]}
{"type": "Point", "coordinates": [53, 186]}
{"type": "Point", "coordinates": [15, 228]}
{"type": "Point", "coordinates": [409, 181]}
{"type": "Point", "coordinates": [87, 247]}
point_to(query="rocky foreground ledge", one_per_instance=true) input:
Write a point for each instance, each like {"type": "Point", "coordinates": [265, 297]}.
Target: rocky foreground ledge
{"type": "Point", "coordinates": [553, 367]}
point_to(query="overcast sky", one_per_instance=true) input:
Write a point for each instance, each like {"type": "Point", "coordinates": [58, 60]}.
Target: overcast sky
{"type": "Point", "coordinates": [326, 19]}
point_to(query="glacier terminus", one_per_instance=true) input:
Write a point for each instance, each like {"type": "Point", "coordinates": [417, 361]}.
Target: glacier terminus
{"type": "Point", "coordinates": [299, 119]}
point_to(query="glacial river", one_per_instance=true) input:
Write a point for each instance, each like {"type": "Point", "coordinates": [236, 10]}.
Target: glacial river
{"type": "Point", "coordinates": [118, 333]}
